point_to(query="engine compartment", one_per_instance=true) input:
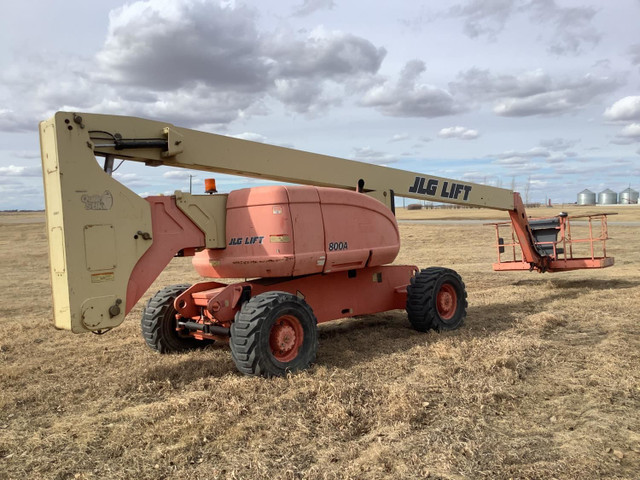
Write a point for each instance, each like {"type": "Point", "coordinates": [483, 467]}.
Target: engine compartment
{"type": "Point", "coordinates": [281, 231]}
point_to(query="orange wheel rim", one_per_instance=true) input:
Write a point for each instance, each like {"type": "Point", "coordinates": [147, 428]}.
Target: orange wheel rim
{"type": "Point", "coordinates": [446, 301]}
{"type": "Point", "coordinates": [285, 338]}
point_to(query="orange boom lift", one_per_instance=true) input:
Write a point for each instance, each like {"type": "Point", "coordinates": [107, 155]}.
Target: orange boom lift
{"type": "Point", "coordinates": [303, 254]}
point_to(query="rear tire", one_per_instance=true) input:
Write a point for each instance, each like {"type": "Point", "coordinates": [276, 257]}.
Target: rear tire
{"type": "Point", "coordinates": [274, 333]}
{"type": "Point", "coordinates": [436, 298]}
{"type": "Point", "coordinates": [159, 323]}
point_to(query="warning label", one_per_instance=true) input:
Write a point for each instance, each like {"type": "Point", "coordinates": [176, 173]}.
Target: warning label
{"type": "Point", "coordinates": [102, 277]}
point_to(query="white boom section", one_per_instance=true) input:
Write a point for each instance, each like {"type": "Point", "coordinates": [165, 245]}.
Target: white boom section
{"type": "Point", "coordinates": [218, 153]}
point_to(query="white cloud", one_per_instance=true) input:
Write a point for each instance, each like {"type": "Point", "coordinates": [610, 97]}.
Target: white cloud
{"type": "Point", "coordinates": [522, 162]}
{"type": "Point", "coordinates": [625, 109]}
{"type": "Point", "coordinates": [322, 54]}
{"type": "Point", "coordinates": [531, 93]}
{"type": "Point", "coordinates": [558, 144]}
{"type": "Point", "coordinates": [628, 135]}
{"type": "Point", "coordinates": [482, 84]}
{"type": "Point", "coordinates": [477, 176]}
{"type": "Point", "coordinates": [124, 177]}
{"type": "Point", "coordinates": [133, 180]}
{"type": "Point", "coordinates": [517, 165]}
{"type": "Point", "coordinates": [537, 152]}
{"type": "Point", "coordinates": [570, 27]}
{"type": "Point", "coordinates": [548, 103]}
{"type": "Point", "coordinates": [556, 159]}
{"type": "Point", "coordinates": [311, 6]}
{"type": "Point", "coordinates": [632, 130]}
{"type": "Point", "coordinates": [482, 17]}
{"type": "Point", "coordinates": [26, 154]}
{"type": "Point", "coordinates": [220, 52]}
{"type": "Point", "coordinates": [179, 174]}
{"type": "Point", "coordinates": [11, 121]}
{"type": "Point", "coordinates": [259, 68]}
{"type": "Point", "coordinates": [198, 63]}
{"type": "Point", "coordinates": [367, 154]}
{"type": "Point", "coordinates": [408, 97]}
{"type": "Point", "coordinates": [253, 137]}
{"type": "Point", "coordinates": [398, 137]}
{"type": "Point", "coordinates": [167, 45]}
{"type": "Point", "coordinates": [513, 161]}
{"type": "Point", "coordinates": [622, 162]}
{"type": "Point", "coordinates": [313, 73]}
{"type": "Point", "coordinates": [20, 171]}
{"type": "Point", "coordinates": [304, 95]}
{"type": "Point", "coordinates": [458, 132]}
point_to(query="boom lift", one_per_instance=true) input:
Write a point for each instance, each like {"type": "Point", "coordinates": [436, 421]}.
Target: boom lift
{"type": "Point", "coordinates": [306, 254]}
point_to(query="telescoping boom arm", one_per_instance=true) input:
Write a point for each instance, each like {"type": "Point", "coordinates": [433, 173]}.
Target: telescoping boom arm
{"type": "Point", "coordinates": [157, 143]}
{"type": "Point", "coordinates": [107, 244]}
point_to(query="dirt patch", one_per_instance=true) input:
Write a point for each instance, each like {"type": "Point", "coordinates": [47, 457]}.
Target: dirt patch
{"type": "Point", "coordinates": [543, 381]}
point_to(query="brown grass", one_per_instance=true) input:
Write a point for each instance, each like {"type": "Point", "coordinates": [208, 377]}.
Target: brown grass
{"type": "Point", "coordinates": [542, 382]}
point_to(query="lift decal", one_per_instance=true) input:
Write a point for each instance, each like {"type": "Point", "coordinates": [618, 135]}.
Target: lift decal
{"type": "Point", "coordinates": [434, 189]}
{"type": "Point", "coordinates": [246, 240]}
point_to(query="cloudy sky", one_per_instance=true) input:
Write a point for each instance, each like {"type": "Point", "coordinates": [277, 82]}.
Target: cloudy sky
{"type": "Point", "coordinates": [502, 92]}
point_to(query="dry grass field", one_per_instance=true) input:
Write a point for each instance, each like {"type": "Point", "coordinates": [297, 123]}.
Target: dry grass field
{"type": "Point", "coordinates": [543, 381]}
{"type": "Point", "coordinates": [622, 213]}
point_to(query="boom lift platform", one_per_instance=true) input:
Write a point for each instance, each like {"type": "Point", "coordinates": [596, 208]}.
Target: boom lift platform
{"type": "Point", "coordinates": [305, 254]}
{"type": "Point", "coordinates": [553, 238]}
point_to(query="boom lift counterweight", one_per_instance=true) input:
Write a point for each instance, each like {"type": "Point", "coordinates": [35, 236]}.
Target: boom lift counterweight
{"type": "Point", "coordinates": [312, 253]}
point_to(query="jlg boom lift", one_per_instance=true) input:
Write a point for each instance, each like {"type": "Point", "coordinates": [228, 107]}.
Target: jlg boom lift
{"type": "Point", "coordinates": [305, 254]}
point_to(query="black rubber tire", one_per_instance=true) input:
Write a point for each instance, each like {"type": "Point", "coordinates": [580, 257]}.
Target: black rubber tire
{"type": "Point", "coordinates": [251, 330]}
{"type": "Point", "coordinates": [422, 293]}
{"type": "Point", "coordinates": [158, 323]}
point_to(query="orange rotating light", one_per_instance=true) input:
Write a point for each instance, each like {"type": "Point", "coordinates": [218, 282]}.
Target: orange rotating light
{"type": "Point", "coordinates": [210, 185]}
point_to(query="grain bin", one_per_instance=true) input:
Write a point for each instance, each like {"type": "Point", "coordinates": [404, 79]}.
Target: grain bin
{"type": "Point", "coordinates": [607, 197]}
{"type": "Point", "coordinates": [628, 195]}
{"type": "Point", "coordinates": [586, 197]}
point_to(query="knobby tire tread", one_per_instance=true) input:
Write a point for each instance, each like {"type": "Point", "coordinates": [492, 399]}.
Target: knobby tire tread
{"type": "Point", "coordinates": [153, 317]}
{"type": "Point", "coordinates": [420, 306]}
{"type": "Point", "coordinates": [246, 334]}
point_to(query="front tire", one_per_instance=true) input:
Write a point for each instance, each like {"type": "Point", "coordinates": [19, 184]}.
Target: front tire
{"type": "Point", "coordinates": [274, 333]}
{"type": "Point", "coordinates": [436, 298]}
{"type": "Point", "coordinates": [159, 323]}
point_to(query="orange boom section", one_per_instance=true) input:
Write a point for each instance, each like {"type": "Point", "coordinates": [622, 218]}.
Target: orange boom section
{"type": "Point", "coordinates": [286, 231]}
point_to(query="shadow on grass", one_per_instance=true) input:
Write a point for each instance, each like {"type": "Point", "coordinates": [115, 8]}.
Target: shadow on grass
{"type": "Point", "coordinates": [359, 340]}
{"type": "Point", "coordinates": [586, 284]}
{"type": "Point", "coordinates": [181, 369]}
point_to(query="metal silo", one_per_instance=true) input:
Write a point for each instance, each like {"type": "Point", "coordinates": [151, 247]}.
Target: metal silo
{"type": "Point", "coordinates": [586, 197]}
{"type": "Point", "coordinates": [628, 195]}
{"type": "Point", "coordinates": [607, 197]}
